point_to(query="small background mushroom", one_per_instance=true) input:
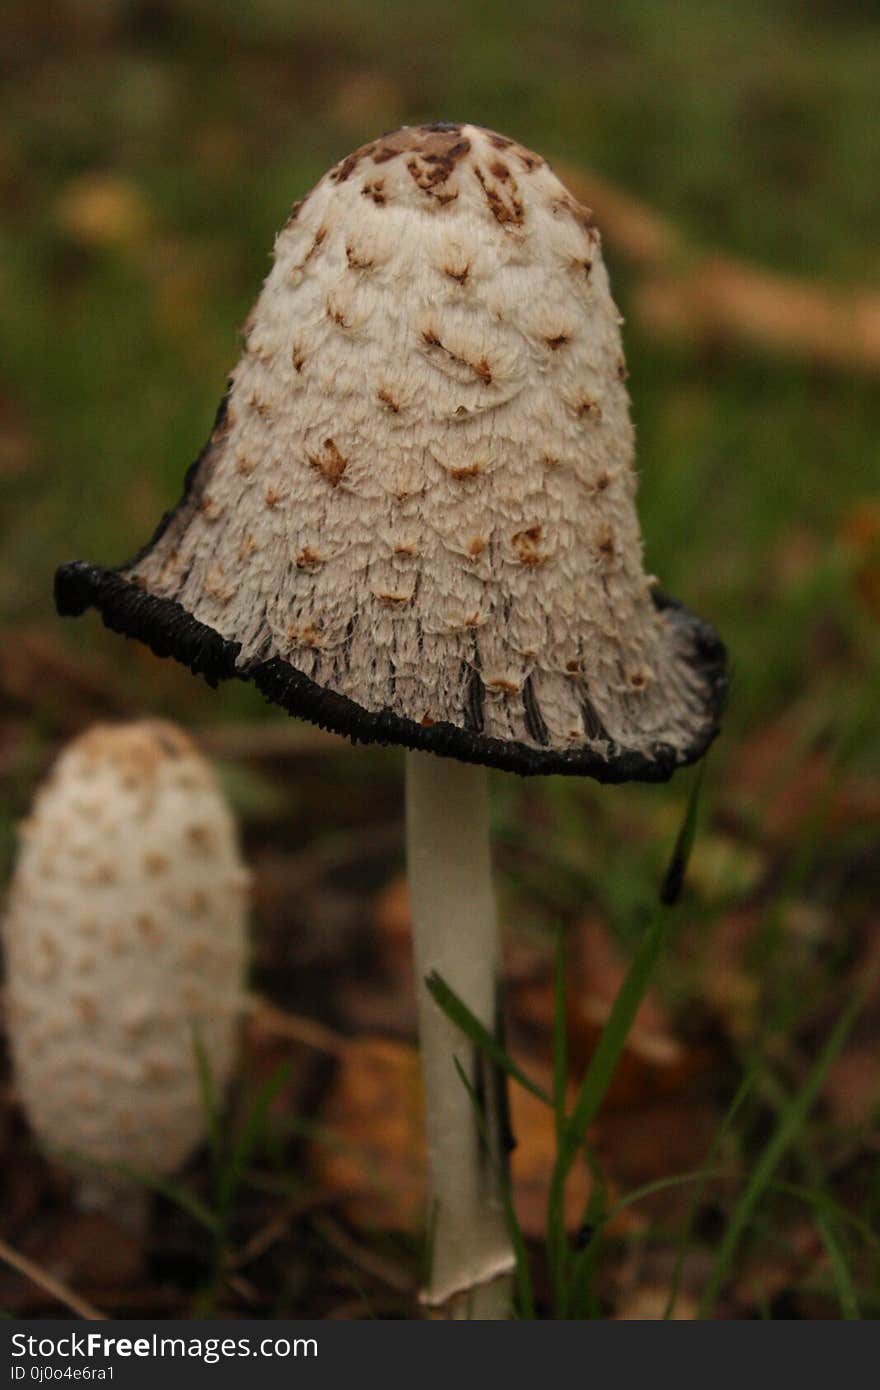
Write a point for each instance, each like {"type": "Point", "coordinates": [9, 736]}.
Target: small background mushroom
{"type": "Point", "coordinates": [124, 941]}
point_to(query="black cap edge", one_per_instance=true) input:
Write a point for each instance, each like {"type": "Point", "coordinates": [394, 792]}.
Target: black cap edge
{"type": "Point", "coordinates": [169, 630]}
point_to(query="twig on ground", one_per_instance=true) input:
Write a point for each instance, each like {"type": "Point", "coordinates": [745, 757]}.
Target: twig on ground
{"type": "Point", "coordinates": [46, 1281]}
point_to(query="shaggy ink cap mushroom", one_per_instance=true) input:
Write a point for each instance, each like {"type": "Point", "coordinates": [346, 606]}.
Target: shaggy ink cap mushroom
{"type": "Point", "coordinates": [124, 931]}
{"type": "Point", "coordinates": [414, 521]}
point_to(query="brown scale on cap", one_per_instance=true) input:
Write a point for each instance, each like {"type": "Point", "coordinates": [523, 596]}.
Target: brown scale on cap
{"type": "Point", "coordinates": [308, 558]}
{"type": "Point", "coordinates": [386, 397]}
{"type": "Point", "coordinates": [526, 544]}
{"type": "Point", "coordinates": [606, 544]}
{"type": "Point", "coordinates": [200, 836]}
{"type": "Point", "coordinates": [588, 408]}
{"type": "Point", "coordinates": [259, 405]}
{"type": "Point", "coordinates": [375, 191]}
{"type": "Point", "coordinates": [146, 924]}
{"type": "Point", "coordinates": [248, 546]}
{"type": "Point", "coordinates": [457, 272]}
{"type": "Point", "coordinates": [357, 261]}
{"type": "Point", "coordinates": [505, 204]}
{"type": "Point", "coordinates": [330, 463]}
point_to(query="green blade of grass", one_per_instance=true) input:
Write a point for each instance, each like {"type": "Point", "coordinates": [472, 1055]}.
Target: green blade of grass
{"type": "Point", "coordinates": [522, 1275]}
{"type": "Point", "coordinates": [610, 1046]}
{"type": "Point", "coordinates": [176, 1194]}
{"type": "Point", "coordinates": [673, 880]}
{"type": "Point", "coordinates": [458, 1012]}
{"type": "Point", "coordinates": [790, 1123]}
{"type": "Point", "coordinates": [560, 1041]}
{"type": "Point", "coordinates": [584, 1258]}
{"type": "Point", "coordinates": [743, 1091]}
{"type": "Point", "coordinates": [843, 1281]}
{"type": "Point", "coordinates": [234, 1164]}
{"type": "Point", "coordinates": [593, 1089]}
{"type": "Point", "coordinates": [827, 1205]}
{"type": "Point", "coordinates": [650, 1189]}
{"type": "Point", "coordinates": [580, 1299]}
{"type": "Point", "coordinates": [164, 1186]}
{"type": "Point", "coordinates": [210, 1104]}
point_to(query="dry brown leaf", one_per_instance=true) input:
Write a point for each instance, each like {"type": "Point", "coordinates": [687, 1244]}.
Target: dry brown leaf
{"type": "Point", "coordinates": [17, 444]}
{"type": "Point", "coordinates": [103, 209]}
{"type": "Point", "coordinates": [781, 776]}
{"type": "Point", "coordinates": [860, 529]}
{"type": "Point", "coordinates": [763, 1277]}
{"type": "Point", "coordinates": [725, 302]}
{"type": "Point", "coordinates": [648, 1304]}
{"type": "Point", "coordinates": [372, 1148]}
{"type": "Point", "coordinates": [365, 101]}
{"type": "Point", "coordinates": [654, 1062]}
{"type": "Point", "coordinates": [852, 1090]}
{"type": "Point", "coordinates": [650, 1142]}
{"type": "Point", "coordinates": [393, 922]}
{"type": "Point", "coordinates": [729, 304]}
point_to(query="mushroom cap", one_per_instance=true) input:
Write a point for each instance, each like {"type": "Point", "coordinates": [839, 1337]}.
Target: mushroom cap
{"type": "Point", "coordinates": [124, 935]}
{"type": "Point", "coordinates": [414, 521]}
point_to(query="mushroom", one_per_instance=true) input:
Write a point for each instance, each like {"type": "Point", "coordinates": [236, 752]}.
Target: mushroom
{"type": "Point", "coordinates": [124, 941]}
{"type": "Point", "coordinates": [414, 522]}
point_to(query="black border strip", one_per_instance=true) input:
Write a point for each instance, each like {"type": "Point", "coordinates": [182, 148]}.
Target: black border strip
{"type": "Point", "coordinates": [169, 630]}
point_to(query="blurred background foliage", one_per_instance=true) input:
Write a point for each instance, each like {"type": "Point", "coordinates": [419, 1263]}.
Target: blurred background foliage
{"type": "Point", "coordinates": [149, 151]}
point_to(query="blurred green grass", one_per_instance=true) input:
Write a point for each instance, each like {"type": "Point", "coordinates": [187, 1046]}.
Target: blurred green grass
{"type": "Point", "coordinates": [752, 127]}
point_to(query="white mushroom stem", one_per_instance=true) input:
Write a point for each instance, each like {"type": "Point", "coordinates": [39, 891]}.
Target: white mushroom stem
{"type": "Point", "coordinates": [455, 931]}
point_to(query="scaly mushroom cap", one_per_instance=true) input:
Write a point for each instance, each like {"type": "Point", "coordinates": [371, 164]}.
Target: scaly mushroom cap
{"type": "Point", "coordinates": [414, 521]}
{"type": "Point", "coordinates": [124, 934]}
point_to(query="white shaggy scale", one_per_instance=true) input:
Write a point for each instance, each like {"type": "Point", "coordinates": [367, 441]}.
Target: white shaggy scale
{"type": "Point", "coordinates": [422, 495]}
{"type": "Point", "coordinates": [124, 935]}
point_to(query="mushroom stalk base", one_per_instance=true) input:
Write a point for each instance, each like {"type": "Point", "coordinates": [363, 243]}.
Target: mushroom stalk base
{"type": "Point", "coordinates": [455, 933]}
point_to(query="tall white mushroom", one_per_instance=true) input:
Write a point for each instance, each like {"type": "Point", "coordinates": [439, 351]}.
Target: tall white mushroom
{"type": "Point", "coordinates": [124, 939]}
{"type": "Point", "coordinates": [414, 523]}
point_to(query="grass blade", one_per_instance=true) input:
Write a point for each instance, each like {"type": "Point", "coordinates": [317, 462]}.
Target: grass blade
{"type": "Point", "coordinates": [790, 1123]}
{"type": "Point", "coordinates": [743, 1091]}
{"type": "Point", "coordinates": [560, 1040]}
{"type": "Point", "coordinates": [165, 1187]}
{"type": "Point", "coordinates": [235, 1163]}
{"type": "Point", "coordinates": [580, 1299]}
{"type": "Point", "coordinates": [611, 1044]}
{"type": "Point", "coordinates": [592, 1091]}
{"type": "Point", "coordinates": [210, 1103]}
{"type": "Point", "coordinates": [458, 1012]}
{"type": "Point", "coordinates": [843, 1282]}
{"type": "Point", "coordinates": [514, 1230]}
{"type": "Point", "coordinates": [827, 1205]}
{"type": "Point", "coordinates": [673, 880]}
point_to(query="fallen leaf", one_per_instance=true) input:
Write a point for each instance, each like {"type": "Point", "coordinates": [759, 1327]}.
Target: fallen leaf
{"type": "Point", "coordinates": [649, 1305]}
{"type": "Point", "coordinates": [860, 529]}
{"type": "Point", "coordinates": [372, 1147]}
{"type": "Point", "coordinates": [103, 209]}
